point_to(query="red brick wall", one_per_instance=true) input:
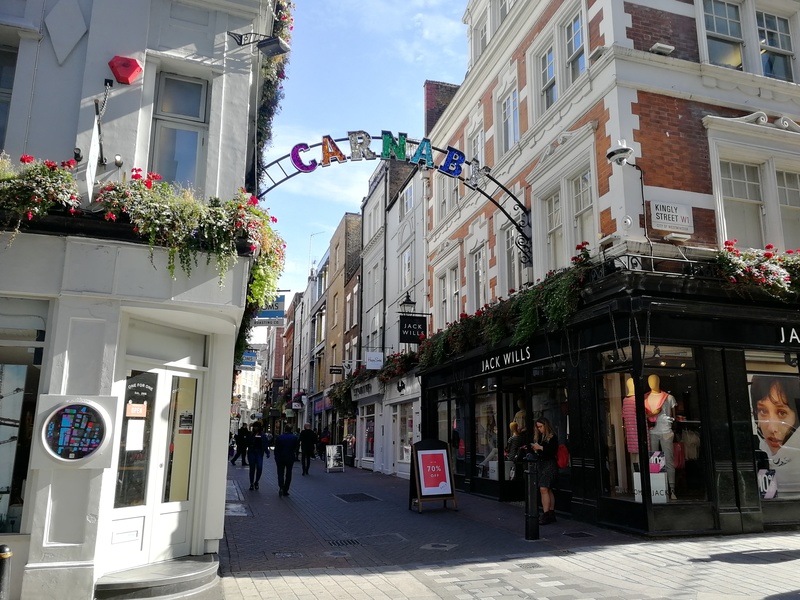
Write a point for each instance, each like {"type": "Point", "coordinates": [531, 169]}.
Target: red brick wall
{"type": "Point", "coordinates": [650, 26]}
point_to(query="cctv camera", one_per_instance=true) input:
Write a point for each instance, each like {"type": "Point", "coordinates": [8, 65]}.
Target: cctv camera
{"type": "Point", "coordinates": [619, 153]}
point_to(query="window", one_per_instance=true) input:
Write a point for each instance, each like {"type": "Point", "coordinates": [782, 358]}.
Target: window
{"type": "Point", "coordinates": [555, 233]}
{"type": "Point", "coordinates": [724, 33]}
{"type": "Point", "coordinates": [480, 38]}
{"type": "Point", "coordinates": [583, 214]}
{"type": "Point", "coordinates": [743, 37]}
{"type": "Point", "coordinates": [442, 203]}
{"type": "Point", "coordinates": [513, 263]}
{"type": "Point", "coordinates": [509, 120]}
{"type": "Point", "coordinates": [180, 128]}
{"type": "Point", "coordinates": [503, 7]}
{"type": "Point", "coordinates": [335, 309]}
{"type": "Point", "coordinates": [742, 202]}
{"type": "Point", "coordinates": [448, 294]}
{"type": "Point", "coordinates": [406, 275]}
{"type": "Point", "coordinates": [548, 79]}
{"type": "Point", "coordinates": [355, 305]}
{"type": "Point", "coordinates": [407, 201]}
{"type": "Point", "coordinates": [348, 307]}
{"type": "Point", "coordinates": [479, 291]}
{"type": "Point", "coordinates": [8, 61]}
{"type": "Point", "coordinates": [476, 145]}
{"type": "Point", "coordinates": [576, 62]}
{"type": "Point", "coordinates": [776, 46]}
{"type": "Point", "coordinates": [560, 60]}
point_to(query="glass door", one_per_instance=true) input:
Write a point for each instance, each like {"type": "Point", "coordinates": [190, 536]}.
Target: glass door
{"type": "Point", "coordinates": [152, 499]}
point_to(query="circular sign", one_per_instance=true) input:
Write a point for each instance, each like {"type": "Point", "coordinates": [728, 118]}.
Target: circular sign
{"type": "Point", "coordinates": [74, 431]}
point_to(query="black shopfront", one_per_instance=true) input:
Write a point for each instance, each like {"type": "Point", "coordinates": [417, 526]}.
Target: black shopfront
{"type": "Point", "coordinates": [712, 458]}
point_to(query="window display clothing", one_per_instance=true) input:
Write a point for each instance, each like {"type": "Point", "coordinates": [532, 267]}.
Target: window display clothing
{"type": "Point", "coordinates": [660, 408]}
{"type": "Point", "coordinates": [629, 421]}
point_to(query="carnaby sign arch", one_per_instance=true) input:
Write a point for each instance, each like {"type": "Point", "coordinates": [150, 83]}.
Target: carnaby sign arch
{"type": "Point", "coordinates": [418, 152]}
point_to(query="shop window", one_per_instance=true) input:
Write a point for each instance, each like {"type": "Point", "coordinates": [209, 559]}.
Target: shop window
{"type": "Point", "coordinates": [405, 432]}
{"type": "Point", "coordinates": [367, 416]}
{"type": "Point", "coordinates": [775, 401]}
{"type": "Point", "coordinates": [20, 368]}
{"type": "Point", "coordinates": [672, 453]}
{"type": "Point", "coordinates": [486, 430]}
{"type": "Point", "coordinates": [550, 401]}
{"type": "Point", "coordinates": [181, 433]}
{"type": "Point", "coordinates": [451, 428]}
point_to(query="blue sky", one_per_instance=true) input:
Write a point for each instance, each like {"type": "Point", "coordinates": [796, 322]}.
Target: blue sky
{"type": "Point", "coordinates": [354, 65]}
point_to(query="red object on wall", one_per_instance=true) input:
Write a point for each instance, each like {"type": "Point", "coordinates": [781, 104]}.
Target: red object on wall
{"type": "Point", "coordinates": [126, 70]}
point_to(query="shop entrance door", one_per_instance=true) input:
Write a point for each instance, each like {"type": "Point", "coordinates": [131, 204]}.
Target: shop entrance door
{"type": "Point", "coordinates": [152, 517]}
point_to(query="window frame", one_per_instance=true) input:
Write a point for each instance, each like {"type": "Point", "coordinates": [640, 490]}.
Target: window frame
{"type": "Point", "coordinates": [199, 124]}
{"type": "Point", "coordinates": [508, 108]}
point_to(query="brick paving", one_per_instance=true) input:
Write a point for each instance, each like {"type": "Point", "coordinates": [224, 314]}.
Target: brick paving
{"type": "Point", "coordinates": [350, 535]}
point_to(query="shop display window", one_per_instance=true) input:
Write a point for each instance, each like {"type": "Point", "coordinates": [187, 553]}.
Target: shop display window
{"type": "Point", "coordinates": [486, 430]}
{"type": "Point", "coordinates": [405, 432]}
{"type": "Point", "coordinates": [367, 417]}
{"type": "Point", "coordinates": [135, 448]}
{"type": "Point", "coordinates": [550, 401]}
{"type": "Point", "coordinates": [672, 454]}
{"type": "Point", "coordinates": [774, 391]}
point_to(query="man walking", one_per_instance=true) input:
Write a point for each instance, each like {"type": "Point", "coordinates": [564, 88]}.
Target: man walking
{"type": "Point", "coordinates": [242, 442]}
{"type": "Point", "coordinates": [308, 440]}
{"type": "Point", "coordinates": [285, 453]}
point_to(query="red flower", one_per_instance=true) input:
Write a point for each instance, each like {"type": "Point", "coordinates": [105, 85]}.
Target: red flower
{"type": "Point", "coordinates": [154, 176]}
{"type": "Point", "coordinates": [768, 247]}
{"type": "Point", "coordinates": [253, 201]}
{"type": "Point", "coordinates": [273, 219]}
{"type": "Point", "coordinates": [69, 164]}
{"type": "Point", "coordinates": [30, 215]}
{"type": "Point", "coordinates": [50, 165]}
{"type": "Point", "coordinates": [110, 216]}
{"type": "Point", "coordinates": [26, 158]}
{"type": "Point", "coordinates": [148, 183]}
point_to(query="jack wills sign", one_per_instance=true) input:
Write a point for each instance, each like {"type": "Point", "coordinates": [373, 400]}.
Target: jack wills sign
{"type": "Point", "coordinates": [789, 336]}
{"type": "Point", "coordinates": [507, 359]}
{"type": "Point", "coordinates": [411, 327]}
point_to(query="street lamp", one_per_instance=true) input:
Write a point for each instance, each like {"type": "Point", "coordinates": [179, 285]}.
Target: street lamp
{"type": "Point", "coordinates": [407, 305]}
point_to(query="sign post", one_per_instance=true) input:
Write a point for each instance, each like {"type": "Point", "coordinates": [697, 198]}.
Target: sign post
{"type": "Point", "coordinates": [431, 477]}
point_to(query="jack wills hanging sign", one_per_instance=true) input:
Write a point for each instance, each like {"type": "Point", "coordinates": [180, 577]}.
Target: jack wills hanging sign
{"type": "Point", "coordinates": [411, 327]}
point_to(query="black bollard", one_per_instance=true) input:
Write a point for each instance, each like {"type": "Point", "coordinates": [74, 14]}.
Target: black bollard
{"type": "Point", "coordinates": [531, 497]}
{"type": "Point", "coordinates": [5, 572]}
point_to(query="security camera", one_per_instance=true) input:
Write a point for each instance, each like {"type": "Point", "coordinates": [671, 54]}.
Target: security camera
{"type": "Point", "coordinates": [619, 153]}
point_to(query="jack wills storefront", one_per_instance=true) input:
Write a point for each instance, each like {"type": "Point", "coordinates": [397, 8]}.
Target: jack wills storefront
{"type": "Point", "coordinates": [677, 400]}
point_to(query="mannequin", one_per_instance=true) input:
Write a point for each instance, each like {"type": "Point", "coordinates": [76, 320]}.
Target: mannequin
{"type": "Point", "coordinates": [629, 420]}
{"type": "Point", "coordinates": [660, 409]}
{"type": "Point", "coordinates": [520, 417]}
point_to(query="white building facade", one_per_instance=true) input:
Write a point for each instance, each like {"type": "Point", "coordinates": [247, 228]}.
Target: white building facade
{"type": "Point", "coordinates": [91, 330]}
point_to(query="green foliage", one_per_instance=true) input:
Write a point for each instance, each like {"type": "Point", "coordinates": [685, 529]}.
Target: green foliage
{"type": "Point", "coordinates": [550, 302]}
{"type": "Point", "coordinates": [36, 187]}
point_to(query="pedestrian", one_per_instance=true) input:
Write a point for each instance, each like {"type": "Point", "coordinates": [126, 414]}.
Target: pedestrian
{"type": "Point", "coordinates": [545, 445]}
{"type": "Point", "coordinates": [285, 452]}
{"type": "Point", "coordinates": [308, 440]}
{"type": "Point", "coordinates": [324, 440]}
{"type": "Point", "coordinates": [242, 440]}
{"type": "Point", "coordinates": [256, 450]}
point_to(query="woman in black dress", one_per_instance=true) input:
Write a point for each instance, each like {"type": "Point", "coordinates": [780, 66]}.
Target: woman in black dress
{"type": "Point", "coordinates": [545, 445]}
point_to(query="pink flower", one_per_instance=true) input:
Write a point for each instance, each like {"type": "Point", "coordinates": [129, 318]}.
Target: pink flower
{"type": "Point", "coordinates": [274, 219]}
{"type": "Point", "coordinates": [110, 216]}
{"type": "Point", "coordinates": [154, 176]}
{"type": "Point", "coordinates": [30, 215]}
{"type": "Point", "coordinates": [26, 158]}
{"type": "Point", "coordinates": [253, 201]}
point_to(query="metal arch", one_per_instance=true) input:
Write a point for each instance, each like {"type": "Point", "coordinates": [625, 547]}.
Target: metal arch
{"type": "Point", "coordinates": [522, 224]}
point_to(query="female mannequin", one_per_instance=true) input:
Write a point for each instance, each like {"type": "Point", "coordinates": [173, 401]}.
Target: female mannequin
{"type": "Point", "coordinates": [660, 409]}
{"type": "Point", "coordinates": [629, 420]}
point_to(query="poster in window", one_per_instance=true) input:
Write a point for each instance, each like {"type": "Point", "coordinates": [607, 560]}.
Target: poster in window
{"type": "Point", "coordinates": [775, 402]}
{"type": "Point", "coordinates": [434, 474]}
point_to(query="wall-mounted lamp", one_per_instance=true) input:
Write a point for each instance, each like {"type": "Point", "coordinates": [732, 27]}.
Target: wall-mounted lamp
{"type": "Point", "coordinates": [677, 237]}
{"type": "Point", "coordinates": [268, 45]}
{"type": "Point", "coordinates": [407, 305]}
{"type": "Point", "coordinates": [662, 49]}
{"type": "Point", "coordinates": [117, 161]}
{"type": "Point", "coordinates": [77, 154]}
{"type": "Point", "coordinates": [656, 352]}
{"type": "Point", "coordinates": [790, 359]}
{"type": "Point", "coordinates": [401, 385]}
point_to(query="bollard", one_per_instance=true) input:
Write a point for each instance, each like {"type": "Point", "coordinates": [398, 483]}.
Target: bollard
{"type": "Point", "coordinates": [531, 497]}
{"type": "Point", "coordinates": [5, 572]}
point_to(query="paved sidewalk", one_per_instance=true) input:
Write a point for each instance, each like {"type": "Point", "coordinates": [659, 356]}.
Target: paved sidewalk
{"type": "Point", "coordinates": [350, 535]}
